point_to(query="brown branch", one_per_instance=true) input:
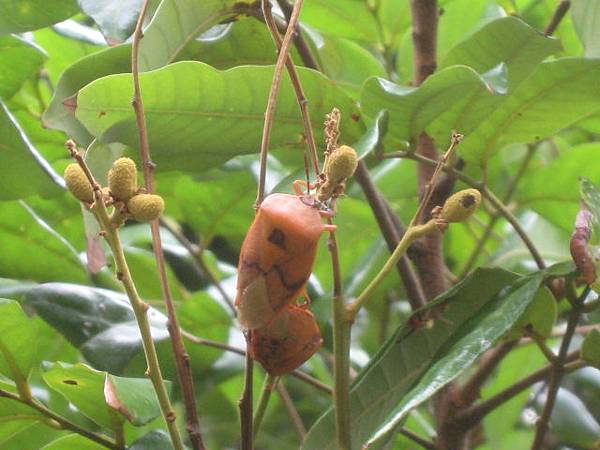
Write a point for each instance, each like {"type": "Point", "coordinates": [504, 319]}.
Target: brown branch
{"type": "Point", "coordinates": [557, 17]}
{"type": "Point", "coordinates": [467, 418]}
{"type": "Point", "coordinates": [558, 371]}
{"type": "Point", "coordinates": [426, 444]}
{"type": "Point", "coordinates": [182, 358]}
{"type": "Point", "coordinates": [245, 405]}
{"type": "Point", "coordinates": [275, 87]}
{"type": "Point", "coordinates": [382, 213]}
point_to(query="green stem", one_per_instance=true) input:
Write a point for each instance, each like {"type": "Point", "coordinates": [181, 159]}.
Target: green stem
{"type": "Point", "coordinates": [342, 324]}
{"type": "Point", "coordinates": [263, 402]}
{"type": "Point", "coordinates": [413, 232]}
{"type": "Point", "coordinates": [140, 309]}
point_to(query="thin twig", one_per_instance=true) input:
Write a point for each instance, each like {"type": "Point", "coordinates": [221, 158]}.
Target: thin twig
{"type": "Point", "coordinates": [62, 421]}
{"type": "Point", "coordinates": [182, 358]}
{"type": "Point", "coordinates": [263, 401]}
{"type": "Point", "coordinates": [488, 194]}
{"type": "Point", "coordinates": [426, 444]}
{"type": "Point", "coordinates": [245, 406]}
{"type": "Point", "coordinates": [412, 283]}
{"type": "Point", "coordinates": [557, 17]}
{"type": "Point", "coordinates": [301, 45]}
{"type": "Point", "coordinates": [291, 409]}
{"type": "Point", "coordinates": [295, 79]}
{"type": "Point", "coordinates": [197, 253]}
{"type": "Point", "coordinates": [274, 92]}
{"type": "Point", "coordinates": [471, 416]}
{"type": "Point", "coordinates": [558, 372]}
{"type": "Point", "coordinates": [222, 346]}
{"type": "Point", "coordinates": [505, 199]}
{"type": "Point", "coordinates": [140, 308]}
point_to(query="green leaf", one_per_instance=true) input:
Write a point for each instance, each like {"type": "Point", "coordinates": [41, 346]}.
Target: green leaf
{"type": "Point", "coordinates": [416, 362]}
{"type": "Point", "coordinates": [15, 417]}
{"type": "Point", "coordinates": [12, 76]}
{"type": "Point", "coordinates": [177, 22]}
{"type": "Point", "coordinates": [590, 349]}
{"type": "Point", "coordinates": [558, 201]}
{"type": "Point", "coordinates": [23, 234]}
{"type": "Point", "coordinates": [508, 40]}
{"type": "Point", "coordinates": [116, 18]}
{"type": "Point", "coordinates": [349, 19]}
{"type": "Point", "coordinates": [199, 117]}
{"type": "Point", "coordinates": [372, 140]}
{"type": "Point", "coordinates": [134, 398]}
{"type": "Point", "coordinates": [84, 388]}
{"type": "Point", "coordinates": [23, 171]}
{"type": "Point", "coordinates": [441, 97]}
{"type": "Point", "coordinates": [73, 442]}
{"type": "Point", "coordinates": [17, 341]}
{"type": "Point", "coordinates": [586, 18]}
{"type": "Point", "coordinates": [155, 440]}
{"type": "Point", "coordinates": [536, 108]}
{"type": "Point", "coordinates": [17, 16]}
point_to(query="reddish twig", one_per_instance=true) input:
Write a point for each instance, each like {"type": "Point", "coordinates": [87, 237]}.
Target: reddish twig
{"type": "Point", "coordinates": [557, 17]}
{"type": "Point", "coordinates": [245, 406]}
{"type": "Point", "coordinates": [182, 358]}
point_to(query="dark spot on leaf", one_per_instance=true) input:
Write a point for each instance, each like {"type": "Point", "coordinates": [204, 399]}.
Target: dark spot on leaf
{"type": "Point", "coordinates": [102, 113]}
{"type": "Point", "coordinates": [71, 382]}
{"type": "Point", "coordinates": [277, 237]}
{"type": "Point", "coordinates": [355, 117]}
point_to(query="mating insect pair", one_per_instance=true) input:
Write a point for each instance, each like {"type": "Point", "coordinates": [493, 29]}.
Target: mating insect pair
{"type": "Point", "coordinates": [275, 263]}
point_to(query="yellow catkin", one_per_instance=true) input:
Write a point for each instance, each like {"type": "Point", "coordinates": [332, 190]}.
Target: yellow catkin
{"type": "Point", "coordinates": [78, 183]}
{"type": "Point", "coordinates": [460, 205]}
{"type": "Point", "coordinates": [341, 164]}
{"type": "Point", "coordinates": [146, 207]}
{"type": "Point", "coordinates": [122, 179]}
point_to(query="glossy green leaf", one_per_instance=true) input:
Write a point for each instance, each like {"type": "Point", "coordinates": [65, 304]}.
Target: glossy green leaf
{"type": "Point", "coordinates": [508, 40]}
{"type": "Point", "coordinates": [586, 18]}
{"type": "Point", "coordinates": [174, 26]}
{"type": "Point", "coordinates": [73, 442]}
{"type": "Point", "coordinates": [349, 19]}
{"type": "Point", "coordinates": [84, 388]}
{"type": "Point", "coordinates": [134, 398]}
{"type": "Point", "coordinates": [445, 96]}
{"type": "Point", "coordinates": [17, 341]}
{"type": "Point", "coordinates": [177, 22]}
{"type": "Point", "coordinates": [116, 18]}
{"type": "Point", "coordinates": [416, 362]}
{"type": "Point", "coordinates": [572, 422]}
{"type": "Point", "coordinates": [12, 76]}
{"type": "Point", "coordinates": [199, 117]}
{"type": "Point", "coordinates": [539, 317]}
{"type": "Point", "coordinates": [372, 140]}
{"type": "Point", "coordinates": [17, 16]}
{"type": "Point", "coordinates": [23, 234]}
{"type": "Point", "coordinates": [590, 349]}
{"type": "Point", "coordinates": [15, 418]}
{"type": "Point", "coordinates": [155, 440]}
{"type": "Point", "coordinates": [536, 108]}
{"type": "Point", "coordinates": [23, 172]}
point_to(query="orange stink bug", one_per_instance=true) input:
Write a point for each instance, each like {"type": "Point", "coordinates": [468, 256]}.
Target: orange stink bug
{"type": "Point", "coordinates": [287, 342]}
{"type": "Point", "coordinates": [277, 256]}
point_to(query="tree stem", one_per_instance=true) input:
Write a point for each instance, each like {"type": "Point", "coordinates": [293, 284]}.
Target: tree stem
{"type": "Point", "coordinates": [263, 401]}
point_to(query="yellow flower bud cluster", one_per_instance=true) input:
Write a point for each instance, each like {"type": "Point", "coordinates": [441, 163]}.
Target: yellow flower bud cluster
{"type": "Point", "coordinates": [122, 191]}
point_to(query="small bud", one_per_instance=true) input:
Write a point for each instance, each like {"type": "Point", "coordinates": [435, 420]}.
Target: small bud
{"type": "Point", "coordinates": [341, 164]}
{"type": "Point", "coordinates": [78, 183]}
{"type": "Point", "coordinates": [122, 179]}
{"type": "Point", "coordinates": [460, 206]}
{"type": "Point", "coordinates": [146, 207]}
